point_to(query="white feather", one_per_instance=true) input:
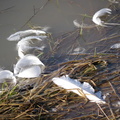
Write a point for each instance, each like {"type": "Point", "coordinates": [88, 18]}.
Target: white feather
{"type": "Point", "coordinates": [97, 20]}
{"type": "Point", "coordinates": [115, 46]}
{"type": "Point", "coordinates": [96, 17]}
{"type": "Point", "coordinates": [27, 63]}
{"type": "Point", "coordinates": [24, 49]}
{"type": "Point", "coordinates": [75, 86]}
{"type": "Point", "coordinates": [8, 77]}
{"type": "Point", "coordinates": [78, 50]}
{"type": "Point", "coordinates": [28, 38]}
{"type": "Point", "coordinates": [75, 22]}
{"type": "Point", "coordinates": [30, 72]}
{"type": "Point", "coordinates": [21, 34]}
{"type": "Point", "coordinates": [23, 45]}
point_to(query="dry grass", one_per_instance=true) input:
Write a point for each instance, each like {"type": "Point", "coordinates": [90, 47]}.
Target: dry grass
{"type": "Point", "coordinates": [45, 101]}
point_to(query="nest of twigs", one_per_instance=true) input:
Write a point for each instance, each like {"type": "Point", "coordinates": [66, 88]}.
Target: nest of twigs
{"type": "Point", "coordinates": [42, 100]}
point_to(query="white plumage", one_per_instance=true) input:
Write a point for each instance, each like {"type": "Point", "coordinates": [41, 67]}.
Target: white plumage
{"type": "Point", "coordinates": [97, 20]}
{"type": "Point", "coordinates": [6, 74]}
{"type": "Point", "coordinates": [30, 72]}
{"type": "Point", "coordinates": [32, 38]}
{"type": "Point", "coordinates": [75, 86]}
{"type": "Point", "coordinates": [75, 22]}
{"type": "Point", "coordinates": [115, 46]}
{"type": "Point", "coordinates": [21, 34]}
{"type": "Point", "coordinates": [24, 45]}
{"type": "Point", "coordinates": [96, 17]}
{"type": "Point", "coordinates": [8, 77]}
{"type": "Point", "coordinates": [28, 67]}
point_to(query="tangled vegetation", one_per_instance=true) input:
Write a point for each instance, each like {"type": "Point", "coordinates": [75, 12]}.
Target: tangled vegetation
{"type": "Point", "coordinates": [41, 99]}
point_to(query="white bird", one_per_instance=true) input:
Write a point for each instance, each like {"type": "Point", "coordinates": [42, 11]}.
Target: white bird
{"type": "Point", "coordinates": [23, 46]}
{"type": "Point", "coordinates": [115, 46]}
{"type": "Point", "coordinates": [96, 17]}
{"type": "Point", "coordinates": [21, 34]}
{"type": "Point", "coordinates": [76, 87]}
{"type": "Point", "coordinates": [28, 67]}
{"type": "Point", "coordinates": [97, 20]}
{"type": "Point", "coordinates": [8, 77]}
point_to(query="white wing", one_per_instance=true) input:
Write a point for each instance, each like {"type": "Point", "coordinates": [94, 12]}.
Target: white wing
{"type": "Point", "coordinates": [23, 49]}
{"type": "Point", "coordinates": [30, 72]}
{"type": "Point", "coordinates": [115, 46]}
{"type": "Point", "coordinates": [24, 45]}
{"type": "Point", "coordinates": [97, 20]}
{"type": "Point", "coordinates": [75, 86]}
{"type": "Point", "coordinates": [96, 17]}
{"type": "Point", "coordinates": [32, 38]}
{"type": "Point", "coordinates": [75, 22]}
{"type": "Point", "coordinates": [6, 74]}
{"type": "Point", "coordinates": [26, 62]}
{"type": "Point", "coordinates": [102, 12]}
{"type": "Point", "coordinates": [21, 34]}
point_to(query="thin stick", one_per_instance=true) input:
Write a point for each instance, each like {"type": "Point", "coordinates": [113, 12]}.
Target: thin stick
{"type": "Point", "coordinates": [23, 113]}
{"type": "Point", "coordinates": [111, 110]}
{"type": "Point", "coordinates": [35, 13]}
{"type": "Point", "coordinates": [103, 111]}
{"type": "Point", "coordinates": [11, 104]}
{"type": "Point", "coordinates": [114, 90]}
{"type": "Point", "coordinates": [104, 39]}
{"type": "Point", "coordinates": [2, 11]}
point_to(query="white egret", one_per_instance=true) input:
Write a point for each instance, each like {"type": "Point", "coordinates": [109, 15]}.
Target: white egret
{"type": "Point", "coordinates": [21, 34]}
{"type": "Point", "coordinates": [97, 20]}
{"type": "Point", "coordinates": [28, 67]}
{"type": "Point", "coordinates": [8, 77]}
{"type": "Point", "coordinates": [23, 46]}
{"type": "Point", "coordinates": [79, 88]}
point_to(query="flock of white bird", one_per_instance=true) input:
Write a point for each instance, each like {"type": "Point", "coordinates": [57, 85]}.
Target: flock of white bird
{"type": "Point", "coordinates": [30, 66]}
